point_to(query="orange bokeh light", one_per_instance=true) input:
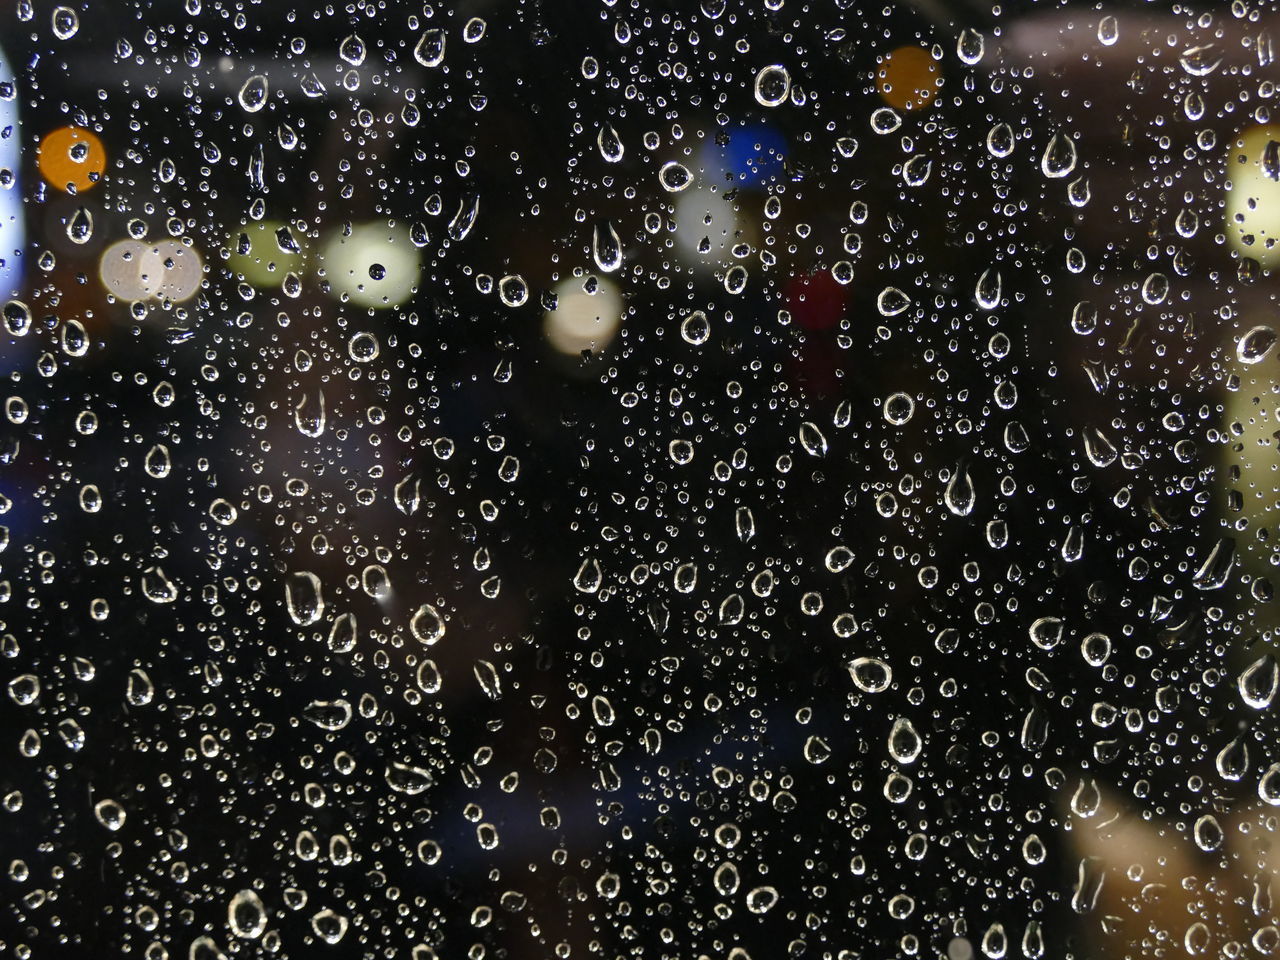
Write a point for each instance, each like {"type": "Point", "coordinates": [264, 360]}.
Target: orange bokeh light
{"type": "Point", "coordinates": [72, 156]}
{"type": "Point", "coordinates": [908, 78]}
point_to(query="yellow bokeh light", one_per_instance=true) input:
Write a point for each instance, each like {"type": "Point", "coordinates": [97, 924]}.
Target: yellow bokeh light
{"type": "Point", "coordinates": [1253, 195]}
{"type": "Point", "coordinates": [908, 79]}
{"type": "Point", "coordinates": [71, 157]}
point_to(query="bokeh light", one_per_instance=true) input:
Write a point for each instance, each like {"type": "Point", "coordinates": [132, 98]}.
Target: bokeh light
{"type": "Point", "coordinates": [908, 79]}
{"type": "Point", "coordinates": [581, 320]}
{"type": "Point", "coordinates": [1253, 195]}
{"type": "Point", "coordinates": [138, 270]}
{"type": "Point", "coordinates": [258, 254]}
{"type": "Point", "coordinates": [71, 157]}
{"type": "Point", "coordinates": [374, 265]}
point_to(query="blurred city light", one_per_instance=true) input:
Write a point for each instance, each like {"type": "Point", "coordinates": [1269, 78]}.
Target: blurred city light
{"type": "Point", "coordinates": [581, 320]}
{"type": "Point", "coordinates": [12, 230]}
{"type": "Point", "coordinates": [1253, 194]}
{"type": "Point", "coordinates": [71, 157]}
{"type": "Point", "coordinates": [908, 79]}
{"type": "Point", "coordinates": [371, 265]}
{"type": "Point", "coordinates": [138, 270]}
{"type": "Point", "coordinates": [259, 252]}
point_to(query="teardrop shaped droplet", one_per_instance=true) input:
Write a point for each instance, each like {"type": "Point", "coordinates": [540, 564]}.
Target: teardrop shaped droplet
{"type": "Point", "coordinates": [1258, 682]}
{"type": "Point", "coordinates": [253, 94]}
{"type": "Point", "coordinates": [1254, 346]}
{"type": "Point", "coordinates": [430, 48]}
{"type": "Point", "coordinates": [987, 291]}
{"type": "Point", "coordinates": [959, 495]}
{"type": "Point", "coordinates": [610, 143]}
{"type": "Point", "coordinates": [606, 248]}
{"type": "Point", "coordinates": [892, 302]}
{"type": "Point", "coordinates": [1059, 158]}
{"type": "Point", "coordinates": [970, 46]}
{"type": "Point", "coordinates": [904, 742]}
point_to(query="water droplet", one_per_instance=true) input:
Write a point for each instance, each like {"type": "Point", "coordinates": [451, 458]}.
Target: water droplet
{"type": "Point", "coordinates": [1087, 798]}
{"type": "Point", "coordinates": [405, 778]}
{"type": "Point", "coordinates": [610, 143]}
{"type": "Point", "coordinates": [1269, 785]}
{"type": "Point", "coordinates": [430, 48]}
{"type": "Point", "coordinates": [1208, 833]}
{"type": "Point", "coordinates": [342, 635]}
{"type": "Point", "coordinates": [1233, 759]}
{"type": "Point", "coordinates": [1059, 158]}
{"type": "Point", "coordinates": [487, 676]}
{"type": "Point", "coordinates": [987, 291]}
{"type": "Point", "coordinates": [1100, 451]}
{"type": "Point", "coordinates": [871, 675]}
{"type": "Point", "coordinates": [1200, 61]}
{"type": "Point", "coordinates": [1258, 681]}
{"type": "Point", "coordinates": [726, 880]}
{"type": "Point", "coordinates": [246, 915]}
{"type": "Point", "coordinates": [1256, 344]}
{"type": "Point", "coordinates": [110, 814]}
{"type": "Point", "coordinates": [811, 438]}
{"type": "Point", "coordinates": [363, 347]}
{"type": "Point", "coordinates": [309, 415]}
{"type": "Point", "coordinates": [892, 302]}
{"type": "Point", "coordinates": [427, 625]}
{"type": "Point", "coordinates": [904, 742]}
{"type": "Point", "coordinates": [329, 926]}
{"type": "Point", "coordinates": [745, 524]}
{"type": "Point", "coordinates": [513, 290]}
{"type": "Point", "coordinates": [328, 714]}
{"type": "Point", "coordinates": [970, 46]}
{"type": "Point", "coordinates": [157, 587]}
{"type": "Point", "coordinates": [674, 177]}
{"type": "Point", "coordinates": [959, 495]}
{"type": "Point", "coordinates": [1215, 570]}
{"type": "Point", "coordinates": [65, 23]}
{"type": "Point", "coordinates": [303, 598]}
{"type": "Point", "coordinates": [253, 94]}
{"type": "Point", "coordinates": [816, 750]}
{"type": "Point", "coordinates": [773, 84]}
{"type": "Point", "coordinates": [1108, 31]}
{"type": "Point", "coordinates": [1000, 140]}
{"type": "Point", "coordinates": [352, 50]}
{"type": "Point", "coordinates": [606, 248]}
{"type": "Point", "coordinates": [473, 30]}
{"type": "Point", "coordinates": [695, 328]}
{"type": "Point", "coordinates": [80, 226]}
{"type": "Point", "coordinates": [762, 899]}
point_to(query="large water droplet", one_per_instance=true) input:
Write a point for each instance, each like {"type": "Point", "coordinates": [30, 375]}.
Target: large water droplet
{"type": "Point", "coordinates": [430, 48]}
{"type": "Point", "coordinates": [246, 915]}
{"type": "Point", "coordinates": [253, 94]}
{"type": "Point", "coordinates": [773, 84]}
{"type": "Point", "coordinates": [304, 598]}
{"type": "Point", "coordinates": [904, 742]}
{"type": "Point", "coordinates": [1059, 158]}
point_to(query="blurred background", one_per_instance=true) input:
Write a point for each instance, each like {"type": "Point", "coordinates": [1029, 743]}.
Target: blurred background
{"type": "Point", "coordinates": [515, 479]}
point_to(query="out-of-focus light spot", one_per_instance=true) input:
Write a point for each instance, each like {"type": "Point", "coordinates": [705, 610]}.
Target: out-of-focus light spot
{"type": "Point", "coordinates": [259, 255]}
{"type": "Point", "coordinates": [136, 270]}
{"type": "Point", "coordinates": [376, 266]}
{"type": "Point", "coordinates": [908, 79]}
{"type": "Point", "coordinates": [753, 156]}
{"type": "Point", "coordinates": [706, 224]}
{"type": "Point", "coordinates": [72, 157]}
{"type": "Point", "coordinates": [12, 229]}
{"type": "Point", "coordinates": [816, 301]}
{"type": "Point", "coordinates": [581, 320]}
{"type": "Point", "coordinates": [1253, 195]}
